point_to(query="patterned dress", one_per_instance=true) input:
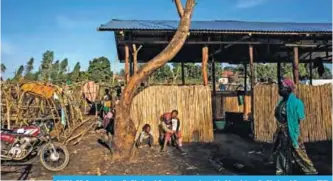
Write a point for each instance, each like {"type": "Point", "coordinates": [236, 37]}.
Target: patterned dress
{"type": "Point", "coordinates": [286, 155]}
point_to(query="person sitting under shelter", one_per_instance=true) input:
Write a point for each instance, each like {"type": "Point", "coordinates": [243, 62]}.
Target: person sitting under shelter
{"type": "Point", "coordinates": [145, 137]}
{"type": "Point", "coordinates": [169, 134]}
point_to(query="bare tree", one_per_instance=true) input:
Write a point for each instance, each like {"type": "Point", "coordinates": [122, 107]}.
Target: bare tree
{"type": "Point", "coordinates": [125, 129]}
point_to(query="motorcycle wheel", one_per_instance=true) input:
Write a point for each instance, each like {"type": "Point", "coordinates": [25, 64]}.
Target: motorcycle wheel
{"type": "Point", "coordinates": [46, 157]}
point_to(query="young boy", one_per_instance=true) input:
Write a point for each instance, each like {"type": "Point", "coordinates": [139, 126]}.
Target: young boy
{"type": "Point", "coordinates": [166, 130]}
{"type": "Point", "coordinates": [145, 137]}
{"type": "Point", "coordinates": [177, 136]}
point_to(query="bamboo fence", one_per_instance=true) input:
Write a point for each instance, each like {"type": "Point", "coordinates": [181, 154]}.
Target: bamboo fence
{"type": "Point", "coordinates": [318, 109]}
{"type": "Point", "coordinates": [192, 102]}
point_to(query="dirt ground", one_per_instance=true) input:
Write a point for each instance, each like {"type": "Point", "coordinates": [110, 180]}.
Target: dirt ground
{"type": "Point", "coordinates": [231, 155]}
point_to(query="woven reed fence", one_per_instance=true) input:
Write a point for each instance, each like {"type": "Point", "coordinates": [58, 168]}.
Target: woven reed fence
{"type": "Point", "coordinates": [230, 103]}
{"type": "Point", "coordinates": [318, 109]}
{"type": "Point", "coordinates": [192, 102]}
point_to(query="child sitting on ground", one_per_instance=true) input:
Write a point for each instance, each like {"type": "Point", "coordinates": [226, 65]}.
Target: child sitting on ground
{"type": "Point", "coordinates": [145, 137]}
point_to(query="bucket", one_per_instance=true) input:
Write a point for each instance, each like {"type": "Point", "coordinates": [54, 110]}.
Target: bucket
{"type": "Point", "coordinates": [220, 124]}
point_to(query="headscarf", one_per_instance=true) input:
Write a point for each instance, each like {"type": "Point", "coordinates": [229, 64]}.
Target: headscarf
{"type": "Point", "coordinates": [166, 117]}
{"type": "Point", "coordinates": [288, 83]}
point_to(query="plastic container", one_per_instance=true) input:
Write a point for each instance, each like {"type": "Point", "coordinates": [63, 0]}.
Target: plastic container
{"type": "Point", "coordinates": [220, 124]}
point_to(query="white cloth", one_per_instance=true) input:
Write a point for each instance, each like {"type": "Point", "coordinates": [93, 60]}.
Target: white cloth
{"type": "Point", "coordinates": [175, 124]}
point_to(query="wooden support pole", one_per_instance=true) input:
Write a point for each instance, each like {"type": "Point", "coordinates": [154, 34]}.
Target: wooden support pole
{"type": "Point", "coordinates": [213, 76]}
{"type": "Point", "coordinates": [252, 77]}
{"type": "Point", "coordinates": [245, 116]}
{"type": "Point", "coordinates": [295, 65]}
{"type": "Point", "coordinates": [214, 88]}
{"type": "Point", "coordinates": [279, 72]}
{"type": "Point", "coordinates": [126, 64]}
{"type": "Point", "coordinates": [204, 65]}
{"type": "Point", "coordinates": [311, 71]}
{"type": "Point", "coordinates": [183, 73]}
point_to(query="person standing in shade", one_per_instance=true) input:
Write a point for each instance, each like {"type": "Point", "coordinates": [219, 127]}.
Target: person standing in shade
{"type": "Point", "coordinates": [106, 102]}
{"type": "Point", "coordinates": [288, 147]}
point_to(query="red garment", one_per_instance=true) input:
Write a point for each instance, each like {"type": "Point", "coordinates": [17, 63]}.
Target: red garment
{"type": "Point", "coordinates": [288, 83]}
{"type": "Point", "coordinates": [166, 116]}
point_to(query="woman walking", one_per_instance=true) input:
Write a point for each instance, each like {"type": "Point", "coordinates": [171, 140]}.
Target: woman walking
{"type": "Point", "coordinates": [288, 146]}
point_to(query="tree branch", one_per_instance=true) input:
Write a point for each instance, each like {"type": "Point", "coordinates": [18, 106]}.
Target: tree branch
{"type": "Point", "coordinates": [135, 57]}
{"type": "Point", "coordinates": [162, 58]}
{"type": "Point", "coordinates": [179, 7]}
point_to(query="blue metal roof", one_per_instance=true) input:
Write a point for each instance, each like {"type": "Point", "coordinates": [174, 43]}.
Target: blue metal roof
{"type": "Point", "coordinates": [228, 26]}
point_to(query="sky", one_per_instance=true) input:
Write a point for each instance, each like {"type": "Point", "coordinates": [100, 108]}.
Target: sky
{"type": "Point", "coordinates": [69, 27]}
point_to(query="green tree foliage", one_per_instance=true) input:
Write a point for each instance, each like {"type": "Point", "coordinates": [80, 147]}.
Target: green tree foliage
{"type": "Point", "coordinates": [266, 71]}
{"type": "Point", "coordinates": [163, 73]}
{"type": "Point", "coordinates": [63, 66]}
{"type": "Point", "coordinates": [29, 67]}
{"type": "Point", "coordinates": [28, 70]}
{"type": "Point", "coordinates": [3, 68]}
{"type": "Point", "coordinates": [46, 65]}
{"type": "Point", "coordinates": [55, 72]}
{"type": "Point", "coordinates": [99, 70]}
{"type": "Point", "coordinates": [62, 76]}
{"type": "Point", "coordinates": [75, 74]}
{"type": "Point", "coordinates": [218, 71]}
{"type": "Point", "coordinates": [192, 71]}
{"type": "Point", "coordinates": [19, 73]}
{"type": "Point", "coordinates": [83, 76]}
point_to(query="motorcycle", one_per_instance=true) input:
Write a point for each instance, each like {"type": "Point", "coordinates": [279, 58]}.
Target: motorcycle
{"type": "Point", "coordinates": [24, 144]}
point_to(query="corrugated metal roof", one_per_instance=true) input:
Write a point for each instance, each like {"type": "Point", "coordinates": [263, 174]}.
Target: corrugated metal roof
{"type": "Point", "coordinates": [228, 26]}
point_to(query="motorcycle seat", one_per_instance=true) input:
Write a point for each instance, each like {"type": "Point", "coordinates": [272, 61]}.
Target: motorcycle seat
{"type": "Point", "coordinates": [6, 130]}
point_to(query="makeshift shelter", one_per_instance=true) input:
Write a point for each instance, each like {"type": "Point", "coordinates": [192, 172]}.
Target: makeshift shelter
{"type": "Point", "coordinates": [234, 42]}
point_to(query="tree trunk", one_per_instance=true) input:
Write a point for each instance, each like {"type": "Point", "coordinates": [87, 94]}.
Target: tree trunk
{"type": "Point", "coordinates": [125, 130]}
